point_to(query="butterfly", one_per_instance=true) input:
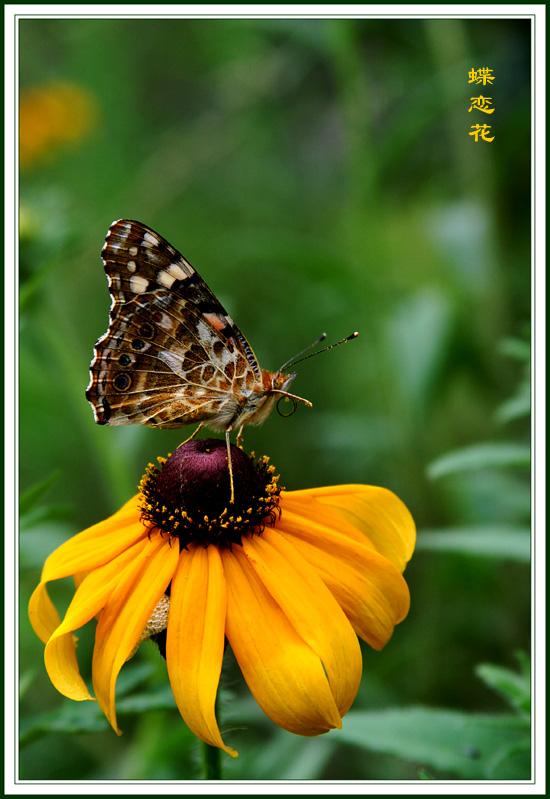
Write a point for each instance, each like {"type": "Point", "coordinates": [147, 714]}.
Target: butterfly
{"type": "Point", "coordinates": [172, 355]}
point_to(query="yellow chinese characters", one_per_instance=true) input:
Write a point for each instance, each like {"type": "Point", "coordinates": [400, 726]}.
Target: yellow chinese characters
{"type": "Point", "coordinates": [481, 130]}
{"type": "Point", "coordinates": [481, 103]}
{"type": "Point", "coordinates": [481, 75]}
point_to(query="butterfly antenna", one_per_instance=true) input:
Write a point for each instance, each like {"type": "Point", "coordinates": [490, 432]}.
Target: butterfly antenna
{"type": "Point", "coordinates": [298, 359]}
{"type": "Point", "coordinates": [322, 337]}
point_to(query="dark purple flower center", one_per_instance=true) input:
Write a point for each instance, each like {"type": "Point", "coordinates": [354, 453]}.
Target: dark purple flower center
{"type": "Point", "coordinates": [189, 497]}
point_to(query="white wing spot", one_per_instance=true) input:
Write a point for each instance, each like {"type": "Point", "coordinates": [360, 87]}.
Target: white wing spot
{"type": "Point", "coordinates": [170, 359]}
{"type": "Point", "coordinates": [133, 251]}
{"type": "Point", "coordinates": [149, 240]}
{"type": "Point", "coordinates": [138, 284]}
{"type": "Point", "coordinates": [205, 334]}
{"type": "Point", "coordinates": [131, 266]}
{"type": "Point", "coordinates": [126, 227]}
{"type": "Point", "coordinates": [227, 356]}
{"type": "Point", "coordinates": [165, 279]}
{"type": "Point", "coordinates": [177, 271]}
{"type": "Point", "coordinates": [165, 322]}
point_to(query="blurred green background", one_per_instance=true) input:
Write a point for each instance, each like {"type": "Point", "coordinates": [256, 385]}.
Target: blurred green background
{"type": "Point", "coordinates": [320, 175]}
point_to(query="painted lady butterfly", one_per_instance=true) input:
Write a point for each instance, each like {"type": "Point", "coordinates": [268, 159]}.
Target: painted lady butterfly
{"type": "Point", "coordinates": [172, 355]}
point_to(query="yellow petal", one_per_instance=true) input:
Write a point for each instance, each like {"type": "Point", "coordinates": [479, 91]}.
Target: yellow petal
{"type": "Point", "coordinates": [79, 578]}
{"type": "Point", "coordinates": [89, 599]}
{"type": "Point", "coordinates": [370, 590]}
{"type": "Point", "coordinates": [311, 609]}
{"type": "Point", "coordinates": [43, 616]}
{"type": "Point", "coordinates": [96, 545]}
{"type": "Point", "coordinates": [284, 674]}
{"type": "Point", "coordinates": [376, 512]}
{"type": "Point", "coordinates": [85, 551]}
{"type": "Point", "coordinates": [62, 667]}
{"type": "Point", "coordinates": [195, 640]}
{"type": "Point", "coordinates": [126, 613]}
{"type": "Point", "coordinates": [308, 507]}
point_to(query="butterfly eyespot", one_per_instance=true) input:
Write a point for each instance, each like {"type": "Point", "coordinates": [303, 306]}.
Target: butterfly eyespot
{"type": "Point", "coordinates": [125, 360]}
{"type": "Point", "coordinates": [138, 344]}
{"type": "Point", "coordinates": [147, 331]}
{"type": "Point", "coordinates": [285, 400]}
{"type": "Point", "coordinates": [122, 381]}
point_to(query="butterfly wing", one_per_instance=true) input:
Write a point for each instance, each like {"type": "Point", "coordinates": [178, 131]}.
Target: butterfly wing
{"type": "Point", "coordinates": [172, 355]}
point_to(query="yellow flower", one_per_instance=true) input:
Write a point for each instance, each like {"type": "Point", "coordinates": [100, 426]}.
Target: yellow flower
{"type": "Point", "coordinates": [51, 115]}
{"type": "Point", "coordinates": [290, 578]}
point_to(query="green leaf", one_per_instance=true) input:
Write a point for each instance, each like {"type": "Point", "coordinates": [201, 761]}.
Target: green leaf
{"type": "Point", "coordinates": [480, 456]}
{"type": "Point", "coordinates": [26, 680]}
{"type": "Point", "coordinates": [517, 407]}
{"type": "Point", "coordinates": [279, 754]}
{"type": "Point", "coordinates": [30, 497]}
{"type": "Point", "coordinates": [46, 513]}
{"type": "Point", "coordinates": [86, 717]}
{"type": "Point", "coordinates": [508, 543]}
{"type": "Point", "coordinates": [511, 760]}
{"type": "Point", "coordinates": [516, 348]}
{"type": "Point", "coordinates": [70, 717]}
{"type": "Point", "coordinates": [513, 686]}
{"type": "Point", "coordinates": [446, 740]}
{"type": "Point", "coordinates": [524, 661]}
{"type": "Point", "coordinates": [307, 760]}
{"type": "Point", "coordinates": [161, 698]}
{"type": "Point", "coordinates": [133, 675]}
{"type": "Point", "coordinates": [34, 282]}
{"type": "Point", "coordinates": [418, 334]}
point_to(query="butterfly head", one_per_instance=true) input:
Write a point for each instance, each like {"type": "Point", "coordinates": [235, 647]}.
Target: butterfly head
{"type": "Point", "coordinates": [276, 386]}
{"type": "Point", "coordinates": [278, 381]}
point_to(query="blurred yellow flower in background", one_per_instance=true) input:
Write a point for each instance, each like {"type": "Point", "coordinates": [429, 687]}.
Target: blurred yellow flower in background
{"type": "Point", "coordinates": [50, 116]}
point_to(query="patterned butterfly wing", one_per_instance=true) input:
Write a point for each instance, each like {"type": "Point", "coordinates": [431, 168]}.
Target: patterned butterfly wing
{"type": "Point", "coordinates": [172, 355]}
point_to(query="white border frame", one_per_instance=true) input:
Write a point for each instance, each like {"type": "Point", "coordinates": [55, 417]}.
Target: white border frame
{"type": "Point", "coordinates": [537, 13]}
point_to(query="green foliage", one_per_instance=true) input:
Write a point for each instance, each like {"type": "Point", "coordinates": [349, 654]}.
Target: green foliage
{"type": "Point", "coordinates": [519, 405]}
{"type": "Point", "coordinates": [30, 498]}
{"type": "Point", "coordinates": [320, 176]}
{"type": "Point", "coordinates": [83, 717]}
{"type": "Point", "coordinates": [514, 688]}
{"type": "Point", "coordinates": [470, 746]}
{"type": "Point", "coordinates": [499, 542]}
{"type": "Point", "coordinates": [71, 718]}
{"type": "Point", "coordinates": [490, 540]}
{"type": "Point", "coordinates": [481, 456]}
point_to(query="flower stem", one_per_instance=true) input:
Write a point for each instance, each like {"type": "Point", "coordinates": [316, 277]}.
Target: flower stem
{"type": "Point", "coordinates": [211, 762]}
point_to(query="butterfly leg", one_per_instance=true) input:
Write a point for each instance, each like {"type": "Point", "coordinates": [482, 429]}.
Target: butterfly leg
{"type": "Point", "coordinates": [230, 465]}
{"type": "Point", "coordinates": [192, 436]}
{"type": "Point", "coordinates": [240, 437]}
